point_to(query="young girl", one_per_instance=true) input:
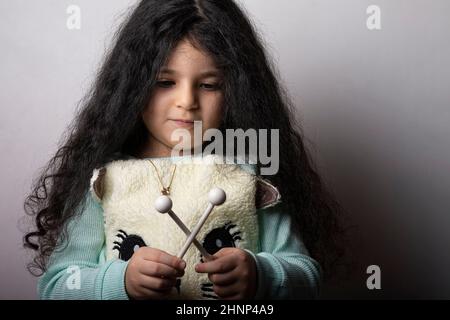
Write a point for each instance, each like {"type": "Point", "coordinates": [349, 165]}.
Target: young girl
{"type": "Point", "coordinates": [174, 62]}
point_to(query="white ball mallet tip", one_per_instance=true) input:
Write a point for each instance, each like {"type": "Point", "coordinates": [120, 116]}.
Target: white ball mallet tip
{"type": "Point", "coordinates": [163, 204]}
{"type": "Point", "coordinates": [217, 196]}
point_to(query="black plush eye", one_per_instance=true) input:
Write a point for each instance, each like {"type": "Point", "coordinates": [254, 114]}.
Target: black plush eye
{"type": "Point", "coordinates": [220, 238]}
{"type": "Point", "coordinates": [128, 244]}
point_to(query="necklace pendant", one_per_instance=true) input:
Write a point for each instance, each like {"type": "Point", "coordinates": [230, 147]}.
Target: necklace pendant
{"type": "Point", "coordinates": [165, 191]}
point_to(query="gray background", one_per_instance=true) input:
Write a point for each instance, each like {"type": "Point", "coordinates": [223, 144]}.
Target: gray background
{"type": "Point", "coordinates": [374, 105]}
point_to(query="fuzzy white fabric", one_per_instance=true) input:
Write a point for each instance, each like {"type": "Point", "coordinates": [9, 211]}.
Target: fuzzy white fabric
{"type": "Point", "coordinates": [130, 188]}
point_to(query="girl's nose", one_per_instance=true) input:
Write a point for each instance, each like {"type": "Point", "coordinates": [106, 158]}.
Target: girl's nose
{"type": "Point", "coordinates": [186, 97]}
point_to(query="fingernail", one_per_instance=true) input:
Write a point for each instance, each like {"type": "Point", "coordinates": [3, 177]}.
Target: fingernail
{"type": "Point", "coordinates": [183, 264]}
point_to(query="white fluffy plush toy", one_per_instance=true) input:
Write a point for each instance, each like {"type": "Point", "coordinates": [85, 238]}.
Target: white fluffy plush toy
{"type": "Point", "coordinates": [127, 191]}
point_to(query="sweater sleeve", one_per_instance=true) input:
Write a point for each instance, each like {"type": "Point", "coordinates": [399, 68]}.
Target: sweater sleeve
{"type": "Point", "coordinates": [285, 269]}
{"type": "Point", "coordinates": [78, 270]}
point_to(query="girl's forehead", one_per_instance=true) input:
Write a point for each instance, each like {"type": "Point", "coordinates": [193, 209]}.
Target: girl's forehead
{"type": "Point", "coordinates": [187, 58]}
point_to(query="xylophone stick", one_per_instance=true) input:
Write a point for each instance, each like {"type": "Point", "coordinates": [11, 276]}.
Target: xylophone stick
{"type": "Point", "coordinates": [216, 197]}
{"type": "Point", "coordinates": [163, 204]}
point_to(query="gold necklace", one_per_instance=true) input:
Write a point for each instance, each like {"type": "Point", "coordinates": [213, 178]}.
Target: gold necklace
{"type": "Point", "coordinates": [164, 190]}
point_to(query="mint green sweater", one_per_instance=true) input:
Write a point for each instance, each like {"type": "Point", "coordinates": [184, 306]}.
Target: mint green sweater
{"type": "Point", "coordinates": [285, 269]}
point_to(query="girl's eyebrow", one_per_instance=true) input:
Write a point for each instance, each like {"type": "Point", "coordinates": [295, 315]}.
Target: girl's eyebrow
{"type": "Point", "coordinates": [209, 73]}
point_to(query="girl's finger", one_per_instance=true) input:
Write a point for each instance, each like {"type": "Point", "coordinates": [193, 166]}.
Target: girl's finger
{"type": "Point", "coordinates": [219, 265]}
{"type": "Point", "coordinates": [157, 284]}
{"type": "Point", "coordinates": [223, 279]}
{"type": "Point", "coordinates": [227, 291]}
{"type": "Point", "coordinates": [156, 255]}
{"type": "Point", "coordinates": [155, 269]}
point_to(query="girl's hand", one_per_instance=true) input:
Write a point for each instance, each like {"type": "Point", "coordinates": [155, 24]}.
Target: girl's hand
{"type": "Point", "coordinates": [233, 274]}
{"type": "Point", "coordinates": [151, 273]}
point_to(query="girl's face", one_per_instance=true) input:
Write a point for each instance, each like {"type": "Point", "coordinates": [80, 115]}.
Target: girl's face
{"type": "Point", "coordinates": [188, 89]}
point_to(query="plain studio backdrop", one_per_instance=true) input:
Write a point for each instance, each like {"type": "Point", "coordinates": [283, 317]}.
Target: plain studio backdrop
{"type": "Point", "coordinates": [374, 104]}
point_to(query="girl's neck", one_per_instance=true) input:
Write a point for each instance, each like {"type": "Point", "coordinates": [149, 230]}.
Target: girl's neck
{"type": "Point", "coordinates": [160, 153]}
{"type": "Point", "coordinates": [154, 150]}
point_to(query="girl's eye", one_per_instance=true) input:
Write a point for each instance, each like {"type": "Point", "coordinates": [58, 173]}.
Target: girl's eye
{"type": "Point", "coordinates": [165, 83]}
{"type": "Point", "coordinates": [206, 86]}
{"type": "Point", "coordinates": [210, 86]}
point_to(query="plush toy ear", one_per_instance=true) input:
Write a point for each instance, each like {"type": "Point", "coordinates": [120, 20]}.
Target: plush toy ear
{"type": "Point", "coordinates": [97, 184]}
{"type": "Point", "coordinates": [267, 195]}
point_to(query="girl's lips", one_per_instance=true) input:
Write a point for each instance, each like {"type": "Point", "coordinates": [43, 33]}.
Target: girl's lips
{"type": "Point", "coordinates": [184, 124]}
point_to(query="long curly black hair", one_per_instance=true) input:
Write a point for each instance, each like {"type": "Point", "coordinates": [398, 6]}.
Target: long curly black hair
{"type": "Point", "coordinates": [108, 126]}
